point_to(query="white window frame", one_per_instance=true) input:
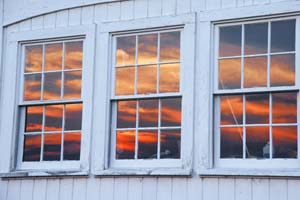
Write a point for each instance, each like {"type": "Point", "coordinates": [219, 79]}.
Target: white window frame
{"type": "Point", "coordinates": [216, 166]}
{"type": "Point", "coordinates": [103, 164]}
{"type": "Point", "coordinates": [11, 102]}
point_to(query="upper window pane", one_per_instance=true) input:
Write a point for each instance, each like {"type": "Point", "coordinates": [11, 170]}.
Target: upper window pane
{"type": "Point", "coordinates": [256, 38]}
{"type": "Point", "coordinates": [147, 48]}
{"type": "Point", "coordinates": [126, 50]}
{"type": "Point", "coordinates": [283, 36]}
{"type": "Point", "coordinates": [230, 73]}
{"type": "Point", "coordinates": [53, 57]}
{"type": "Point", "coordinates": [34, 59]}
{"type": "Point", "coordinates": [73, 55]}
{"type": "Point", "coordinates": [230, 41]}
{"type": "Point", "coordinates": [170, 47]}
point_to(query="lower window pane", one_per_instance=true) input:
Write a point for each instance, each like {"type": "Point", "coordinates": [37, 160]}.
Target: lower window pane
{"type": "Point", "coordinates": [147, 147]}
{"type": "Point", "coordinates": [32, 148]}
{"type": "Point", "coordinates": [231, 142]}
{"type": "Point", "coordinates": [72, 146]}
{"type": "Point", "coordinates": [170, 143]}
{"type": "Point", "coordinates": [52, 147]}
{"type": "Point", "coordinates": [125, 145]}
{"type": "Point", "coordinates": [257, 141]}
{"type": "Point", "coordinates": [284, 142]}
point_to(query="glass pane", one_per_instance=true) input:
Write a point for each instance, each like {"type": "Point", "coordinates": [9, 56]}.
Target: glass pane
{"type": "Point", "coordinates": [284, 107]}
{"type": "Point", "coordinates": [73, 115]}
{"type": "Point", "coordinates": [257, 142]}
{"type": "Point", "coordinates": [52, 86]}
{"type": "Point", "coordinates": [73, 55]}
{"type": "Point", "coordinates": [230, 73]}
{"type": "Point", "coordinates": [147, 49]}
{"type": "Point", "coordinates": [170, 143]}
{"type": "Point", "coordinates": [34, 119]}
{"type": "Point", "coordinates": [125, 78]}
{"type": "Point", "coordinates": [257, 109]}
{"type": "Point", "coordinates": [53, 57]}
{"type": "Point", "coordinates": [147, 79]}
{"type": "Point", "coordinates": [231, 109]}
{"type": "Point", "coordinates": [34, 58]}
{"type": "Point", "coordinates": [170, 46]}
{"type": "Point", "coordinates": [230, 41]}
{"type": "Point", "coordinates": [256, 38]}
{"type": "Point", "coordinates": [231, 142]}
{"type": "Point", "coordinates": [171, 112]}
{"type": "Point", "coordinates": [148, 113]}
{"type": "Point", "coordinates": [147, 148]}
{"type": "Point", "coordinates": [283, 70]}
{"type": "Point", "coordinates": [283, 36]}
{"type": "Point", "coordinates": [126, 50]}
{"type": "Point", "coordinates": [53, 118]}
{"type": "Point", "coordinates": [72, 146]}
{"type": "Point", "coordinates": [169, 78]}
{"type": "Point", "coordinates": [125, 145]}
{"type": "Point", "coordinates": [32, 87]}
{"type": "Point", "coordinates": [52, 147]}
{"type": "Point", "coordinates": [255, 72]}
{"type": "Point", "coordinates": [285, 142]}
{"type": "Point", "coordinates": [32, 148]}
{"type": "Point", "coordinates": [72, 84]}
{"type": "Point", "coordinates": [126, 116]}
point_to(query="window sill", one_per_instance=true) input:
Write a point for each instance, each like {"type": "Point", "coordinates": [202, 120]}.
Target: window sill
{"type": "Point", "coordinates": [259, 173]}
{"type": "Point", "coordinates": [28, 174]}
{"type": "Point", "coordinates": [143, 172]}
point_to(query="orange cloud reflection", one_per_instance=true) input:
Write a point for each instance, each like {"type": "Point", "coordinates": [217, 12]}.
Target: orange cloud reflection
{"type": "Point", "coordinates": [125, 81]}
{"type": "Point", "coordinates": [73, 55]}
{"type": "Point", "coordinates": [170, 46]}
{"type": "Point", "coordinates": [147, 79]}
{"type": "Point", "coordinates": [33, 58]}
{"type": "Point", "coordinates": [126, 50]}
{"type": "Point", "coordinates": [255, 72]}
{"type": "Point", "coordinates": [32, 87]}
{"type": "Point", "coordinates": [125, 141]}
{"type": "Point", "coordinates": [147, 48]}
{"type": "Point", "coordinates": [53, 57]}
{"type": "Point", "coordinates": [169, 78]}
{"type": "Point", "coordinates": [72, 84]}
{"type": "Point", "coordinates": [284, 107]}
{"type": "Point", "coordinates": [282, 70]}
{"type": "Point", "coordinates": [257, 109]}
{"type": "Point", "coordinates": [231, 109]}
{"type": "Point", "coordinates": [230, 73]}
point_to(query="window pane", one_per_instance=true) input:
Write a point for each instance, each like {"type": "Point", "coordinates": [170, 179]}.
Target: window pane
{"type": "Point", "coordinates": [170, 47]}
{"type": "Point", "coordinates": [256, 38]}
{"type": "Point", "coordinates": [171, 112]}
{"type": "Point", "coordinates": [34, 119]}
{"type": "Point", "coordinates": [32, 87]}
{"type": "Point", "coordinates": [32, 148]}
{"type": "Point", "coordinates": [283, 36]}
{"type": "Point", "coordinates": [148, 113]}
{"type": "Point", "coordinates": [285, 142]}
{"type": "Point", "coordinates": [72, 84]}
{"type": "Point", "coordinates": [284, 107]}
{"type": "Point", "coordinates": [231, 142]}
{"type": "Point", "coordinates": [257, 142]}
{"type": "Point", "coordinates": [147, 79]}
{"type": "Point", "coordinates": [170, 143]}
{"type": "Point", "coordinates": [283, 70]}
{"type": "Point", "coordinates": [73, 115]}
{"type": "Point", "coordinates": [147, 148]}
{"type": "Point", "coordinates": [33, 60]}
{"type": "Point", "coordinates": [125, 145]}
{"type": "Point", "coordinates": [126, 116]}
{"type": "Point", "coordinates": [169, 78]}
{"type": "Point", "coordinates": [255, 72]}
{"type": "Point", "coordinates": [53, 118]}
{"type": "Point", "coordinates": [126, 50]}
{"type": "Point", "coordinates": [52, 147]}
{"type": "Point", "coordinates": [53, 57]}
{"type": "Point", "coordinates": [147, 49]}
{"type": "Point", "coordinates": [230, 73]}
{"type": "Point", "coordinates": [230, 41]}
{"type": "Point", "coordinates": [73, 55]}
{"type": "Point", "coordinates": [52, 86]}
{"type": "Point", "coordinates": [125, 80]}
{"type": "Point", "coordinates": [231, 109]}
{"type": "Point", "coordinates": [72, 146]}
{"type": "Point", "coordinates": [257, 109]}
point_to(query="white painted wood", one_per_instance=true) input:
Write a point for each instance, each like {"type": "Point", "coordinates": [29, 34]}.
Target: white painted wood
{"type": "Point", "coordinates": [3, 189]}
{"type": "Point", "coordinates": [37, 23]}
{"type": "Point", "coordinates": [49, 20]}
{"type": "Point", "coordinates": [74, 17]}
{"type": "Point", "coordinates": [197, 5]}
{"type": "Point", "coordinates": [13, 190]}
{"type": "Point", "coordinates": [260, 189]}
{"type": "Point", "coordinates": [257, 2]}
{"type": "Point", "coordinates": [25, 25]}
{"type": "Point", "coordinates": [135, 187]}
{"type": "Point", "coordinates": [248, 2]}
{"type": "Point", "coordinates": [121, 188]}
{"type": "Point", "coordinates": [213, 4]}
{"type": "Point", "coordinates": [210, 189]}
{"type": "Point", "coordinates": [168, 7]}
{"type": "Point", "coordinates": [93, 188]}
{"type": "Point", "coordinates": [183, 6]}
{"type": "Point", "coordinates": [107, 189]}
{"type": "Point", "coordinates": [66, 189]}
{"type": "Point", "coordinates": [164, 188]}
{"type": "Point", "coordinates": [100, 13]}
{"type": "Point", "coordinates": [62, 18]}
{"type": "Point", "coordinates": [154, 8]}
{"type": "Point", "coordinates": [149, 189]}
{"type": "Point", "coordinates": [52, 192]}
{"type": "Point", "coordinates": [88, 15]}
{"type": "Point", "coordinates": [140, 9]}
{"type": "Point", "coordinates": [40, 189]}
{"type": "Point", "coordinates": [243, 189]}
{"type": "Point", "coordinates": [278, 189]}
{"type": "Point", "coordinates": [228, 3]}
{"type": "Point", "coordinates": [226, 188]}
{"type": "Point", "coordinates": [79, 189]}
{"type": "Point", "coordinates": [179, 188]}
{"type": "Point", "coordinates": [127, 10]}
{"type": "Point", "coordinates": [113, 11]}
{"type": "Point", "coordinates": [26, 189]}
{"type": "Point", "coordinates": [293, 190]}
{"type": "Point", "coordinates": [194, 189]}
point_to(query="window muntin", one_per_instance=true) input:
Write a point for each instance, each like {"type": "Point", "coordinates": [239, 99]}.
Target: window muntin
{"type": "Point", "coordinates": [51, 105]}
{"type": "Point", "coordinates": [256, 96]}
{"type": "Point", "coordinates": [147, 98]}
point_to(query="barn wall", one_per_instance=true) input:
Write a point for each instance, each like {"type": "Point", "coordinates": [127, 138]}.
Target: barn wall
{"type": "Point", "coordinates": [146, 188]}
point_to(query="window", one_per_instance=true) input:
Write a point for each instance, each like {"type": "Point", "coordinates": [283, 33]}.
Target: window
{"type": "Point", "coordinates": [256, 95]}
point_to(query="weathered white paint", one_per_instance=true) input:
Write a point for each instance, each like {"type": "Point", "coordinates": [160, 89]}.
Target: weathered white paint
{"type": "Point", "coordinates": [130, 187]}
